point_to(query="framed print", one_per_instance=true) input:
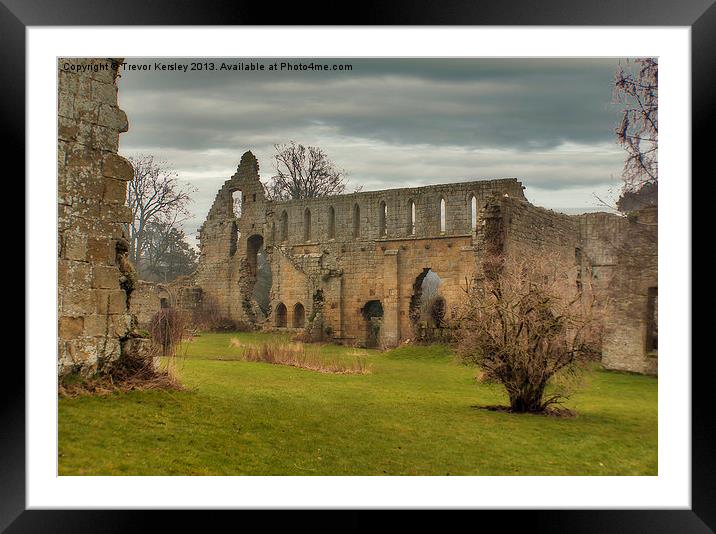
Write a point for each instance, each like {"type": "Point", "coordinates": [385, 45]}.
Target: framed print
{"type": "Point", "coordinates": [410, 263]}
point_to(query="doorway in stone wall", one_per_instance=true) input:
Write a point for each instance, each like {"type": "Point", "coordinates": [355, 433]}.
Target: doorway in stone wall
{"type": "Point", "coordinates": [259, 278]}
{"type": "Point", "coordinates": [373, 314]}
{"type": "Point", "coordinates": [427, 307]}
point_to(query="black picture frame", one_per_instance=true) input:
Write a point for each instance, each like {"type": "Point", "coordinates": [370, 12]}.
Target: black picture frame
{"type": "Point", "coordinates": [699, 15]}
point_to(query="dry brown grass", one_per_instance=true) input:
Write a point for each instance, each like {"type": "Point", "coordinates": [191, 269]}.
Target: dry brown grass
{"type": "Point", "coordinates": [120, 381]}
{"type": "Point", "coordinates": [304, 356]}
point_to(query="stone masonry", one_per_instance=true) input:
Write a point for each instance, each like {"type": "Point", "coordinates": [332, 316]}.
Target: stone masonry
{"type": "Point", "coordinates": [93, 271]}
{"type": "Point", "coordinates": [345, 265]}
{"type": "Point", "coordinates": [344, 251]}
{"type": "Point", "coordinates": [623, 257]}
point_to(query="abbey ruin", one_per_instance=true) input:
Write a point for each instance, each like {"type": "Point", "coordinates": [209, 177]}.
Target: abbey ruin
{"type": "Point", "coordinates": [349, 268]}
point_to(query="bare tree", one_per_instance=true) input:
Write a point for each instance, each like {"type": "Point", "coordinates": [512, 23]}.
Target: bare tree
{"type": "Point", "coordinates": [636, 92]}
{"type": "Point", "coordinates": [527, 326]}
{"type": "Point", "coordinates": [304, 172]}
{"type": "Point", "coordinates": [155, 196]}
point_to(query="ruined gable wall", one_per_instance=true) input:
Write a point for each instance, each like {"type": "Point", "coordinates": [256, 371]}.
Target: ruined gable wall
{"type": "Point", "coordinates": [92, 180]}
{"type": "Point", "coordinates": [224, 237]}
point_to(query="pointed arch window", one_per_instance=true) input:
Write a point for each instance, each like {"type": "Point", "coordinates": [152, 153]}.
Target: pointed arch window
{"type": "Point", "coordinates": [473, 212]}
{"type": "Point", "coordinates": [383, 219]}
{"type": "Point", "coordinates": [411, 218]}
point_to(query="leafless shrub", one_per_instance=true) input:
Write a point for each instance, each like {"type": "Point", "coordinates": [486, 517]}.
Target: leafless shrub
{"type": "Point", "coordinates": [529, 327]}
{"type": "Point", "coordinates": [303, 356]}
{"type": "Point", "coordinates": [167, 329]}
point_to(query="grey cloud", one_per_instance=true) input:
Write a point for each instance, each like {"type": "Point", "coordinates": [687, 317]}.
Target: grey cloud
{"type": "Point", "coordinates": [466, 103]}
{"type": "Point", "coordinates": [389, 122]}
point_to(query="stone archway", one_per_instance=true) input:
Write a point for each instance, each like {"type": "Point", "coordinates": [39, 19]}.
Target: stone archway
{"type": "Point", "coordinates": [425, 302]}
{"type": "Point", "coordinates": [255, 279]}
{"type": "Point", "coordinates": [372, 312]}
{"type": "Point", "coordinates": [299, 316]}
{"type": "Point", "coordinates": [254, 244]}
{"type": "Point", "coordinates": [281, 315]}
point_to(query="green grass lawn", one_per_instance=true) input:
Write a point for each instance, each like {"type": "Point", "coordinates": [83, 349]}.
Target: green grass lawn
{"type": "Point", "coordinates": [412, 415]}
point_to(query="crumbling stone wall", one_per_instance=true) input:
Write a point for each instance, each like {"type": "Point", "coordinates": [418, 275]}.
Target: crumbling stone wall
{"type": "Point", "coordinates": [614, 256]}
{"type": "Point", "coordinates": [94, 275]}
{"type": "Point", "coordinates": [346, 265]}
{"type": "Point", "coordinates": [622, 258]}
{"type": "Point", "coordinates": [349, 249]}
{"type": "Point", "coordinates": [512, 226]}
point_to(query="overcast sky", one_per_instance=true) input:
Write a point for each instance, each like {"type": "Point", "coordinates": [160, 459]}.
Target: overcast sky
{"type": "Point", "coordinates": [387, 122]}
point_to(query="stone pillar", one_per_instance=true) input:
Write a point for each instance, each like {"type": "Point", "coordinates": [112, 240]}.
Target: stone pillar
{"type": "Point", "coordinates": [390, 331]}
{"type": "Point", "coordinates": [92, 183]}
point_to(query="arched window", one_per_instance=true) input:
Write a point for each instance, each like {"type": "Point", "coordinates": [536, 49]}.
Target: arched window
{"type": "Point", "coordinates": [356, 220]}
{"type": "Point", "coordinates": [411, 218]}
{"type": "Point", "coordinates": [281, 314]}
{"type": "Point", "coordinates": [307, 225]}
{"type": "Point", "coordinates": [284, 226]}
{"type": "Point", "coordinates": [473, 212]}
{"type": "Point", "coordinates": [237, 203]}
{"type": "Point", "coordinates": [331, 222]}
{"type": "Point", "coordinates": [299, 315]}
{"type": "Point", "coordinates": [382, 219]}
{"type": "Point", "coordinates": [442, 215]}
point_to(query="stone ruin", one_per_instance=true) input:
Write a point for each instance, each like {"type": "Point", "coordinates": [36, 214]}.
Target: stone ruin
{"type": "Point", "coordinates": [349, 268]}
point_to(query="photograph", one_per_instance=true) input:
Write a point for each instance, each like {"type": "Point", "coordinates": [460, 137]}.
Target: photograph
{"type": "Point", "coordinates": [350, 266]}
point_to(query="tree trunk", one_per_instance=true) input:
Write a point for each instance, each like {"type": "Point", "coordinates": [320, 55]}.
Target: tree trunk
{"type": "Point", "coordinates": [528, 400]}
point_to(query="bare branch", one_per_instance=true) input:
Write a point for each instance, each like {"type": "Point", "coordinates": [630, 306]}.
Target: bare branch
{"type": "Point", "coordinates": [304, 172]}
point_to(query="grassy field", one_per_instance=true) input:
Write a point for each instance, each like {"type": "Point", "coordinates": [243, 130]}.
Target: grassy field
{"type": "Point", "coordinates": [413, 414]}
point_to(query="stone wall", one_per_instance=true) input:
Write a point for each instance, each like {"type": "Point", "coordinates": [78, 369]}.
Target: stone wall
{"type": "Point", "coordinates": [349, 267]}
{"type": "Point", "coordinates": [332, 257]}
{"type": "Point", "coordinates": [614, 256]}
{"type": "Point", "coordinates": [510, 225]}
{"type": "Point", "coordinates": [148, 298]}
{"type": "Point", "coordinates": [622, 253]}
{"type": "Point", "coordinates": [93, 314]}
